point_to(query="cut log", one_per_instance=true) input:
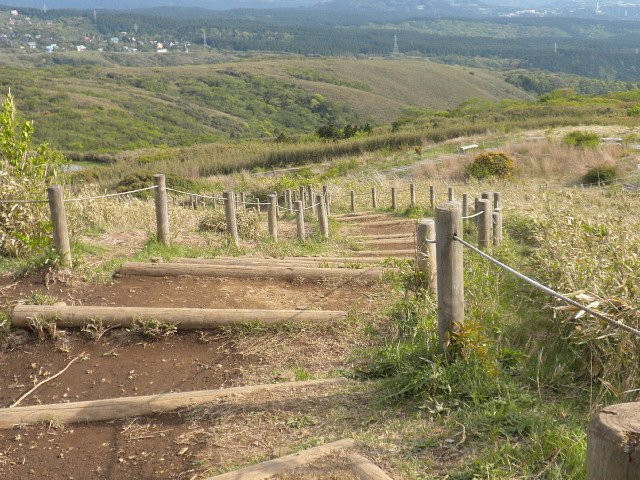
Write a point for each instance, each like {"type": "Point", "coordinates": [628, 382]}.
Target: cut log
{"type": "Point", "coordinates": [613, 443]}
{"type": "Point", "coordinates": [361, 218]}
{"type": "Point", "coordinates": [183, 318]}
{"type": "Point", "coordinates": [365, 469]}
{"type": "Point", "coordinates": [389, 241]}
{"type": "Point", "coordinates": [387, 253]}
{"type": "Point", "coordinates": [385, 223]}
{"type": "Point", "coordinates": [407, 235]}
{"type": "Point", "coordinates": [274, 262]}
{"type": "Point", "coordinates": [279, 466]}
{"type": "Point", "coordinates": [124, 407]}
{"type": "Point", "coordinates": [357, 214]}
{"type": "Point", "coordinates": [246, 271]}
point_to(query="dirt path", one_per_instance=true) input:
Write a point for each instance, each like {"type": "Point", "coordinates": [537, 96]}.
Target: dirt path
{"type": "Point", "coordinates": [190, 444]}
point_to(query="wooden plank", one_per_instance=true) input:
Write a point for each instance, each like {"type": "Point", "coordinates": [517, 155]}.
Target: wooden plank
{"type": "Point", "coordinates": [124, 407]}
{"type": "Point", "coordinates": [405, 253]}
{"type": "Point", "coordinates": [365, 469]}
{"type": "Point", "coordinates": [388, 241]}
{"type": "Point", "coordinates": [246, 271]}
{"type": "Point", "coordinates": [277, 262]}
{"type": "Point", "coordinates": [355, 218]}
{"type": "Point", "coordinates": [183, 318]}
{"type": "Point", "coordinates": [380, 236]}
{"type": "Point", "coordinates": [386, 223]}
{"type": "Point", "coordinates": [287, 463]}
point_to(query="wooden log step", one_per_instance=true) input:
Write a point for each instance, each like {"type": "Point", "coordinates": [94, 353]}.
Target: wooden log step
{"type": "Point", "coordinates": [381, 236]}
{"type": "Point", "coordinates": [355, 214]}
{"type": "Point", "coordinates": [282, 465]}
{"type": "Point", "coordinates": [183, 318]}
{"type": "Point", "coordinates": [125, 407]}
{"type": "Point", "coordinates": [387, 253]}
{"type": "Point", "coordinates": [361, 218]}
{"type": "Point", "coordinates": [248, 271]}
{"type": "Point", "coordinates": [386, 223]}
{"type": "Point", "coordinates": [275, 262]}
{"type": "Point", "coordinates": [389, 241]}
{"type": "Point", "coordinates": [365, 469]}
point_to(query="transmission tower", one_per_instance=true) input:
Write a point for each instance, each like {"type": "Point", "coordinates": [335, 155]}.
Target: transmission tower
{"type": "Point", "coordinates": [396, 50]}
{"type": "Point", "coordinates": [204, 37]}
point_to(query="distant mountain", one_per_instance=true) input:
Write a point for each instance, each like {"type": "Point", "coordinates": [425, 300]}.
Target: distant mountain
{"type": "Point", "coordinates": [137, 4]}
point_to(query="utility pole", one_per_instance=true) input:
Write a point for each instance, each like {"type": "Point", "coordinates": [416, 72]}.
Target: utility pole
{"type": "Point", "coordinates": [396, 50]}
{"type": "Point", "coordinates": [204, 37]}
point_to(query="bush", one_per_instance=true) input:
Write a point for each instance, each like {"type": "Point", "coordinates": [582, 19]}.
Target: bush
{"type": "Point", "coordinates": [26, 171]}
{"type": "Point", "coordinates": [491, 164]}
{"type": "Point", "coordinates": [600, 175]}
{"type": "Point", "coordinates": [634, 111]}
{"type": "Point", "coordinates": [144, 180]}
{"type": "Point", "coordinates": [248, 223]}
{"type": "Point", "coordinates": [582, 139]}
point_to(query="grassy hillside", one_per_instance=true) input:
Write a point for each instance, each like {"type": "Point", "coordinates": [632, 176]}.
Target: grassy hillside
{"type": "Point", "coordinates": [93, 108]}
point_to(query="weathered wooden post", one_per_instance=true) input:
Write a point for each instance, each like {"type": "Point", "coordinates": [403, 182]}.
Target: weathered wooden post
{"type": "Point", "coordinates": [484, 224]}
{"type": "Point", "coordinates": [353, 201]}
{"type": "Point", "coordinates": [323, 218]}
{"type": "Point", "coordinates": [612, 445]}
{"type": "Point", "coordinates": [300, 219]}
{"type": "Point", "coordinates": [497, 227]}
{"type": "Point", "coordinates": [193, 202]}
{"type": "Point", "coordinates": [450, 271]}
{"type": "Point", "coordinates": [302, 194]}
{"type": "Point", "coordinates": [162, 209]}
{"type": "Point", "coordinates": [450, 193]}
{"type": "Point", "coordinates": [394, 199]}
{"type": "Point", "coordinates": [412, 195]}
{"type": "Point", "coordinates": [497, 201]}
{"type": "Point", "coordinates": [59, 221]}
{"type": "Point", "coordinates": [310, 194]}
{"type": "Point", "coordinates": [374, 198]}
{"type": "Point", "coordinates": [326, 195]}
{"type": "Point", "coordinates": [243, 200]}
{"type": "Point", "coordinates": [432, 197]}
{"type": "Point", "coordinates": [230, 214]}
{"type": "Point", "coordinates": [465, 205]}
{"type": "Point", "coordinates": [272, 219]}
{"type": "Point", "coordinates": [214, 200]}
{"type": "Point", "coordinates": [426, 261]}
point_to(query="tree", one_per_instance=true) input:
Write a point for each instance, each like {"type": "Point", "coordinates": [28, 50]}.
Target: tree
{"type": "Point", "coordinates": [25, 172]}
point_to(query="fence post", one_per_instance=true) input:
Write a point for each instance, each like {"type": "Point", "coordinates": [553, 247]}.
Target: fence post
{"type": "Point", "coordinates": [323, 217]}
{"type": "Point", "coordinates": [426, 261]}
{"type": "Point", "coordinates": [272, 219]}
{"type": "Point", "coordinates": [394, 199]}
{"type": "Point", "coordinates": [497, 201]}
{"type": "Point", "coordinates": [450, 193]}
{"type": "Point", "coordinates": [59, 220]}
{"type": "Point", "coordinates": [230, 214]}
{"type": "Point", "coordinates": [353, 201]}
{"type": "Point", "coordinates": [243, 199]}
{"type": "Point", "coordinates": [162, 209]}
{"type": "Point", "coordinates": [450, 272]}
{"type": "Point", "coordinates": [310, 194]}
{"type": "Point", "coordinates": [300, 219]}
{"type": "Point", "coordinates": [302, 194]}
{"type": "Point", "coordinates": [374, 198]}
{"type": "Point", "coordinates": [465, 205]}
{"type": "Point", "coordinates": [497, 227]}
{"type": "Point", "coordinates": [432, 197]}
{"type": "Point", "coordinates": [412, 194]}
{"type": "Point", "coordinates": [326, 195]}
{"type": "Point", "coordinates": [484, 223]}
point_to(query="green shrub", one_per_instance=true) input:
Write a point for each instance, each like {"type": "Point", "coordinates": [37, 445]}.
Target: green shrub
{"type": "Point", "coordinates": [600, 175]}
{"type": "Point", "coordinates": [582, 139]}
{"type": "Point", "coordinates": [143, 180]}
{"type": "Point", "coordinates": [491, 164]}
{"type": "Point", "coordinates": [26, 170]}
{"type": "Point", "coordinates": [634, 111]}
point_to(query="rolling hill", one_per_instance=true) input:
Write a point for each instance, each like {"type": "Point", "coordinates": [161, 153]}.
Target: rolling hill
{"type": "Point", "coordinates": [94, 108]}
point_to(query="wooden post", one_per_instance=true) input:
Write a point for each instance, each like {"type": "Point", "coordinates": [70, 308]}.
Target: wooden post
{"type": "Point", "coordinates": [465, 205]}
{"type": "Point", "coordinates": [497, 201]}
{"type": "Point", "coordinates": [426, 261]}
{"type": "Point", "coordinates": [310, 194]}
{"type": "Point", "coordinates": [323, 218]}
{"type": "Point", "coordinates": [450, 193]}
{"type": "Point", "coordinates": [394, 199]}
{"type": "Point", "coordinates": [612, 449]}
{"type": "Point", "coordinates": [432, 197]}
{"type": "Point", "coordinates": [484, 224]}
{"type": "Point", "coordinates": [301, 199]}
{"type": "Point", "coordinates": [497, 227]}
{"type": "Point", "coordinates": [273, 216]}
{"type": "Point", "coordinates": [215, 201]}
{"type": "Point", "coordinates": [374, 198]}
{"type": "Point", "coordinates": [412, 194]}
{"type": "Point", "coordinates": [353, 201]}
{"type": "Point", "coordinates": [300, 219]}
{"type": "Point", "coordinates": [193, 202]}
{"type": "Point", "coordinates": [230, 214]}
{"type": "Point", "coordinates": [243, 199]}
{"type": "Point", "coordinates": [450, 271]}
{"type": "Point", "coordinates": [162, 209]}
{"type": "Point", "coordinates": [59, 221]}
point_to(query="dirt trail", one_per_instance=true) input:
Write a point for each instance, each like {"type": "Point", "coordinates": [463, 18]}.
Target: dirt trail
{"type": "Point", "coordinates": [124, 363]}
